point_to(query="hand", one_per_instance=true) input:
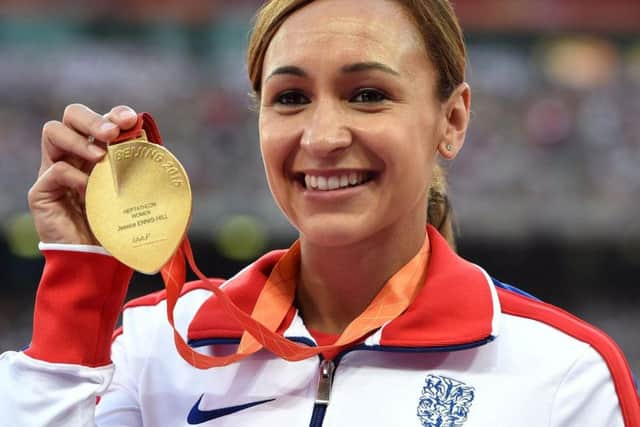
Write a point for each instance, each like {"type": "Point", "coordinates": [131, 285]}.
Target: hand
{"type": "Point", "coordinates": [70, 149]}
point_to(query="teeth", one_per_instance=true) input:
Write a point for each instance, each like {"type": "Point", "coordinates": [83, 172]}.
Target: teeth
{"type": "Point", "coordinates": [322, 183]}
{"type": "Point", "coordinates": [334, 182]}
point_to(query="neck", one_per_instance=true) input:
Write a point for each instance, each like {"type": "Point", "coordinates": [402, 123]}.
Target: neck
{"type": "Point", "coordinates": [336, 284]}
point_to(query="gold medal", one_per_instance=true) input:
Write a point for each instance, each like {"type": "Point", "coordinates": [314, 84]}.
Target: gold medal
{"type": "Point", "coordinates": [138, 203]}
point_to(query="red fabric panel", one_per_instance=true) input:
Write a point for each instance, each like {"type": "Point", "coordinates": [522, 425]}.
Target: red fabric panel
{"type": "Point", "coordinates": [453, 307]}
{"type": "Point", "coordinates": [77, 305]}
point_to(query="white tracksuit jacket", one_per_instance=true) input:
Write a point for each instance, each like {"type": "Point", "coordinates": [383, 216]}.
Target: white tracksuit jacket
{"type": "Point", "coordinates": [470, 352]}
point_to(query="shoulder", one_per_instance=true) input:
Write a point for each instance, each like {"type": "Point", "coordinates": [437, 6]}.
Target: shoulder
{"type": "Point", "coordinates": [519, 304]}
{"type": "Point", "coordinates": [590, 360]}
{"type": "Point", "coordinates": [143, 316]}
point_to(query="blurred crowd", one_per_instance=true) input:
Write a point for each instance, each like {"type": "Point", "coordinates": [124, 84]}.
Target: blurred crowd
{"type": "Point", "coordinates": [554, 143]}
{"type": "Point", "coordinates": [553, 146]}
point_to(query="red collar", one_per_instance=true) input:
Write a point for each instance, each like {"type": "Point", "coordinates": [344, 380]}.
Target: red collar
{"type": "Point", "coordinates": [457, 305]}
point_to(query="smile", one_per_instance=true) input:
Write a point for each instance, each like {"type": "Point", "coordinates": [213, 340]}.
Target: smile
{"type": "Point", "coordinates": [335, 182]}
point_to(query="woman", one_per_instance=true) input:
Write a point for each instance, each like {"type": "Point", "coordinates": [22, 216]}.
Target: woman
{"type": "Point", "coordinates": [357, 100]}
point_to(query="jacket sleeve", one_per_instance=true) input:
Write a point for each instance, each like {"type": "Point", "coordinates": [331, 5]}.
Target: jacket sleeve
{"type": "Point", "coordinates": [57, 380]}
{"type": "Point", "coordinates": [588, 395]}
{"type": "Point", "coordinates": [119, 404]}
{"type": "Point", "coordinates": [35, 393]}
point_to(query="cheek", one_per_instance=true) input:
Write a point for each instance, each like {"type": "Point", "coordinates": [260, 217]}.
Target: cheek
{"type": "Point", "coordinates": [268, 136]}
{"type": "Point", "coordinates": [409, 146]}
{"type": "Point", "coordinates": [411, 157]}
{"type": "Point", "coordinates": [277, 145]}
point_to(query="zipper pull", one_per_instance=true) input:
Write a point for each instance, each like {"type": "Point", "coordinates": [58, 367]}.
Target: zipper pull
{"type": "Point", "coordinates": [324, 385]}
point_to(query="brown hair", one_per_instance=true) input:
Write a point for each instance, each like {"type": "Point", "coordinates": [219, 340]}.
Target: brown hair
{"type": "Point", "coordinates": [436, 22]}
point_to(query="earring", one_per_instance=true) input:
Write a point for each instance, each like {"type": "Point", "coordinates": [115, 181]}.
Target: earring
{"type": "Point", "coordinates": [449, 147]}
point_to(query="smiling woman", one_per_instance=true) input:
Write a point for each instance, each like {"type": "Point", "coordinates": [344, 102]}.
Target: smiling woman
{"type": "Point", "coordinates": [369, 318]}
{"type": "Point", "coordinates": [363, 127]}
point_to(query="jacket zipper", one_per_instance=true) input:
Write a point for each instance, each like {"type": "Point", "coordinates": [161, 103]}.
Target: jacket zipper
{"type": "Point", "coordinates": [327, 368]}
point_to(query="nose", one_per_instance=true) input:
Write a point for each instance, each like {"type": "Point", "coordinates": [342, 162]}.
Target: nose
{"type": "Point", "coordinates": [326, 132]}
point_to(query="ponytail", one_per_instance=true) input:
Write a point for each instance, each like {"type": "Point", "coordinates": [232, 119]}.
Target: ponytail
{"type": "Point", "coordinates": [439, 212]}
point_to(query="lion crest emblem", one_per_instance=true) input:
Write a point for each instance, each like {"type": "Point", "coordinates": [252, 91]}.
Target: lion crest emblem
{"type": "Point", "coordinates": [445, 402]}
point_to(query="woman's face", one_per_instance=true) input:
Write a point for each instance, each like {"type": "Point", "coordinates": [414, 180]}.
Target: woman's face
{"type": "Point", "coordinates": [349, 121]}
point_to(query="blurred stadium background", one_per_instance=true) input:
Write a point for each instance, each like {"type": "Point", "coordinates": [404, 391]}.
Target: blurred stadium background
{"type": "Point", "coordinates": [546, 190]}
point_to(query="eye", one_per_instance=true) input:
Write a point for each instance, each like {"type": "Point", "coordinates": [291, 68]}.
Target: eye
{"type": "Point", "coordinates": [291, 97]}
{"type": "Point", "coordinates": [368, 96]}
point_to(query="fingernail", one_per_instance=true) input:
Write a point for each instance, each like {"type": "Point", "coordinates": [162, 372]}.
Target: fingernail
{"type": "Point", "coordinates": [107, 126]}
{"type": "Point", "coordinates": [127, 115]}
{"type": "Point", "coordinates": [95, 150]}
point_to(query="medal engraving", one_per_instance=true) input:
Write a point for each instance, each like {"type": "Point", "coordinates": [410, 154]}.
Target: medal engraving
{"type": "Point", "coordinates": [138, 204]}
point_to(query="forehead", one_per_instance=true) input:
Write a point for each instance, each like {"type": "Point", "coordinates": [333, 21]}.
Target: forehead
{"type": "Point", "coordinates": [362, 30]}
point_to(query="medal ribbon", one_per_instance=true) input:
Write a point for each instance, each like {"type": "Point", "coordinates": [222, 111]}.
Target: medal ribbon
{"type": "Point", "coordinates": [276, 298]}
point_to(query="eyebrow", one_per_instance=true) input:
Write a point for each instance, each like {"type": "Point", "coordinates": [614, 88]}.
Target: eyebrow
{"type": "Point", "coordinates": [288, 69]}
{"type": "Point", "coordinates": [357, 67]}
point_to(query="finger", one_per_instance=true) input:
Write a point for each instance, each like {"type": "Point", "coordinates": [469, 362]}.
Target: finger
{"type": "Point", "coordinates": [56, 180]}
{"type": "Point", "coordinates": [89, 123]}
{"type": "Point", "coordinates": [59, 141]}
{"type": "Point", "coordinates": [122, 115]}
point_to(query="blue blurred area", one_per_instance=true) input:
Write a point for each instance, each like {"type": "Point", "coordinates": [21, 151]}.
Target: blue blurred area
{"type": "Point", "coordinates": [546, 190]}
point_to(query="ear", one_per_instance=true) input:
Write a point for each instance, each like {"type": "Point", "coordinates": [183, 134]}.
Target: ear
{"type": "Point", "coordinates": [456, 120]}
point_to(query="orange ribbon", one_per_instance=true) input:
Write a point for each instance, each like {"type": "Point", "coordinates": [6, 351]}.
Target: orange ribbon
{"type": "Point", "coordinates": [276, 299]}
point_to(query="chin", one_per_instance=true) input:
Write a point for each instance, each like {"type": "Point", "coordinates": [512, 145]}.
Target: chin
{"type": "Point", "coordinates": [334, 232]}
